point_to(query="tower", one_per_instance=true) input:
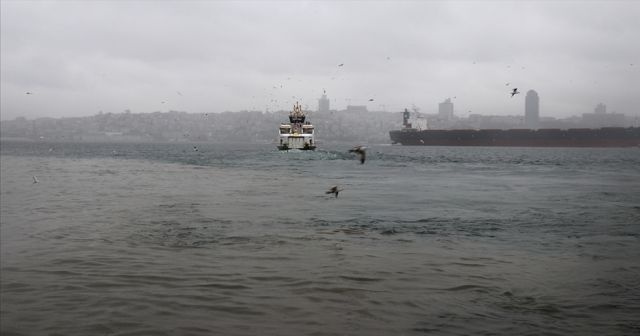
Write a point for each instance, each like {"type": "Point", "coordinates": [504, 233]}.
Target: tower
{"type": "Point", "coordinates": [445, 109]}
{"type": "Point", "coordinates": [323, 103]}
{"type": "Point", "coordinates": [531, 110]}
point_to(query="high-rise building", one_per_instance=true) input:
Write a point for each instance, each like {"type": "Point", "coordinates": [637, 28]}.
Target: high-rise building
{"type": "Point", "coordinates": [323, 103]}
{"type": "Point", "coordinates": [600, 109]}
{"type": "Point", "coordinates": [532, 110]}
{"type": "Point", "coordinates": [445, 109]}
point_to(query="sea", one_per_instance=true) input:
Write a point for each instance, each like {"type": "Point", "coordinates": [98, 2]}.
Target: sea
{"type": "Point", "coordinates": [242, 239]}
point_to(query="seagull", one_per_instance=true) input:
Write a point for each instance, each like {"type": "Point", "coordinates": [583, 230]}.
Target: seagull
{"type": "Point", "coordinates": [341, 64]}
{"type": "Point", "coordinates": [35, 179]}
{"type": "Point", "coordinates": [371, 99]}
{"type": "Point", "coordinates": [334, 190]}
{"type": "Point", "coordinates": [514, 92]}
{"type": "Point", "coordinates": [360, 150]}
{"type": "Point", "coordinates": [28, 92]}
{"type": "Point", "coordinates": [195, 148]}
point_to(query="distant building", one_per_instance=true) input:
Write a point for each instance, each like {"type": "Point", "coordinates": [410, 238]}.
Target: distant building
{"type": "Point", "coordinates": [323, 104]}
{"type": "Point", "coordinates": [356, 108]}
{"type": "Point", "coordinates": [445, 109]}
{"type": "Point", "coordinates": [532, 110]}
{"type": "Point", "coordinates": [600, 109]}
{"type": "Point", "coordinates": [598, 119]}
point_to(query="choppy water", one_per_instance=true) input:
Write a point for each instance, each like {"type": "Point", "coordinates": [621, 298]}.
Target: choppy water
{"type": "Point", "coordinates": [152, 239]}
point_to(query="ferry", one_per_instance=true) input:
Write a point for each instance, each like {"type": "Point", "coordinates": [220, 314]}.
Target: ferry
{"type": "Point", "coordinates": [298, 133]}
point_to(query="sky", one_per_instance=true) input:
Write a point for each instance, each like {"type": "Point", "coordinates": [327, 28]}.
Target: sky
{"type": "Point", "coordinates": [80, 58]}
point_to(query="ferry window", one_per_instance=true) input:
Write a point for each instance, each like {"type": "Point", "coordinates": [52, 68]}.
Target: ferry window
{"type": "Point", "coordinates": [284, 131]}
{"type": "Point", "coordinates": [308, 130]}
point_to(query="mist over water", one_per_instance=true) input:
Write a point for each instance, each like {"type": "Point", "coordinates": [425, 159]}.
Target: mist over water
{"type": "Point", "coordinates": [160, 239]}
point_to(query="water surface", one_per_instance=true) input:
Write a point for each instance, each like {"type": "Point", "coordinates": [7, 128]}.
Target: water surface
{"type": "Point", "coordinates": [161, 239]}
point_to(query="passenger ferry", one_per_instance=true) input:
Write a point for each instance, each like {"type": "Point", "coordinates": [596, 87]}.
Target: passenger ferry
{"type": "Point", "coordinates": [298, 133]}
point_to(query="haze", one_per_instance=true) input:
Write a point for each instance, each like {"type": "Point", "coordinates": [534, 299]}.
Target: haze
{"type": "Point", "coordinates": [79, 58]}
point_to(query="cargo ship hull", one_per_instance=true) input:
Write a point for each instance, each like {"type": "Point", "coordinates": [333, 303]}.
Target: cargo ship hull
{"type": "Point", "coordinates": [574, 137]}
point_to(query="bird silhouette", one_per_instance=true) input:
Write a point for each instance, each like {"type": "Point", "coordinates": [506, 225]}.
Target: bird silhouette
{"type": "Point", "coordinates": [371, 99]}
{"type": "Point", "coordinates": [29, 93]}
{"type": "Point", "coordinates": [35, 179]}
{"type": "Point", "coordinates": [341, 64]}
{"type": "Point", "coordinates": [334, 190]}
{"type": "Point", "coordinates": [360, 150]}
{"type": "Point", "coordinates": [514, 92]}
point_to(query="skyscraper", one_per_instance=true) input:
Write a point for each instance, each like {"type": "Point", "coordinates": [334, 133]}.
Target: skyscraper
{"type": "Point", "coordinates": [532, 110]}
{"type": "Point", "coordinates": [323, 103]}
{"type": "Point", "coordinates": [445, 109]}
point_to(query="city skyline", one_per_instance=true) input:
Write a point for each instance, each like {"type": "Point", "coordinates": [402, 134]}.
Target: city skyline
{"type": "Point", "coordinates": [69, 59]}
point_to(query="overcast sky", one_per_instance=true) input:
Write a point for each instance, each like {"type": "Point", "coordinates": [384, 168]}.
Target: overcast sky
{"type": "Point", "coordinates": [81, 57]}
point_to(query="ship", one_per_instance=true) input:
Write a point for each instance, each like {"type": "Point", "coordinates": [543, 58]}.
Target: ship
{"type": "Point", "coordinates": [298, 133]}
{"type": "Point", "coordinates": [543, 137]}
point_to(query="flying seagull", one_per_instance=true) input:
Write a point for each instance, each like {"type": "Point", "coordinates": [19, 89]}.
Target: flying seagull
{"type": "Point", "coordinates": [35, 179]}
{"type": "Point", "coordinates": [341, 64]}
{"type": "Point", "coordinates": [28, 92]}
{"type": "Point", "coordinates": [514, 92]}
{"type": "Point", "coordinates": [360, 150]}
{"type": "Point", "coordinates": [371, 99]}
{"type": "Point", "coordinates": [334, 190]}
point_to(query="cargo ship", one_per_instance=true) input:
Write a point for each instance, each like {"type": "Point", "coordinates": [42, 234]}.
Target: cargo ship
{"type": "Point", "coordinates": [544, 137]}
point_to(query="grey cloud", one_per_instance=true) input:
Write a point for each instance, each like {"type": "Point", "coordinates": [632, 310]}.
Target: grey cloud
{"type": "Point", "coordinates": [228, 55]}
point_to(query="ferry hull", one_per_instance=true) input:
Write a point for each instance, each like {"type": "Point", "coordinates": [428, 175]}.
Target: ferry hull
{"type": "Point", "coordinates": [300, 142]}
{"type": "Point", "coordinates": [576, 137]}
{"type": "Point", "coordinates": [282, 147]}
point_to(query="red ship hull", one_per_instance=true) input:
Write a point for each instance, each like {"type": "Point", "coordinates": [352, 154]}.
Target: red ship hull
{"type": "Point", "coordinates": [574, 137]}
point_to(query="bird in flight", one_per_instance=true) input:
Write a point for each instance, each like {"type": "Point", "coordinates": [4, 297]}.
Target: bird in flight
{"type": "Point", "coordinates": [334, 190]}
{"type": "Point", "coordinates": [28, 92]}
{"type": "Point", "coordinates": [371, 99]}
{"type": "Point", "coordinates": [341, 64]}
{"type": "Point", "coordinates": [360, 150]}
{"type": "Point", "coordinates": [35, 179]}
{"type": "Point", "coordinates": [514, 92]}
